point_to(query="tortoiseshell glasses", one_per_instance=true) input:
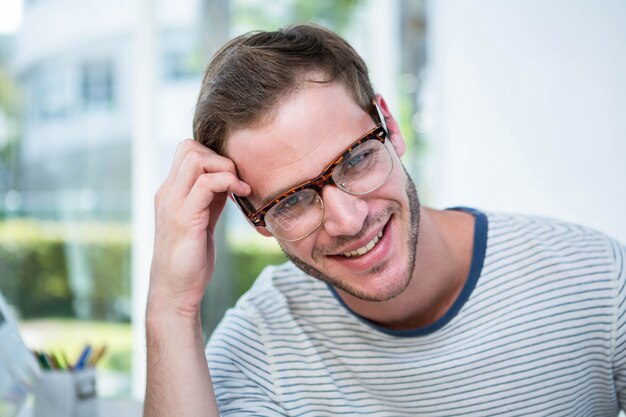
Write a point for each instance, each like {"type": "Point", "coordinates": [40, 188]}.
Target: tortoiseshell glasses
{"type": "Point", "coordinates": [361, 168]}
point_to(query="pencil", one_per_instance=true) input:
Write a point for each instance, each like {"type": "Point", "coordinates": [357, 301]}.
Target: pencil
{"type": "Point", "coordinates": [60, 360]}
{"type": "Point", "coordinates": [97, 355]}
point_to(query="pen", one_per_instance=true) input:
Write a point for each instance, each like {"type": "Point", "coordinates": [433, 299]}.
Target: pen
{"type": "Point", "coordinates": [82, 359]}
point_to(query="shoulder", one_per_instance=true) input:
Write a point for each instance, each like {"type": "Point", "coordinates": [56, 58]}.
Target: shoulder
{"type": "Point", "coordinates": [520, 246]}
{"type": "Point", "coordinates": [555, 234]}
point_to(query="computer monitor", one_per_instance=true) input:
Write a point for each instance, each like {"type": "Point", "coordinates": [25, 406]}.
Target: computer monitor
{"type": "Point", "coordinates": [19, 371]}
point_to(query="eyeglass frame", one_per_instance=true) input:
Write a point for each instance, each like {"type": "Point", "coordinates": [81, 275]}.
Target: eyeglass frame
{"type": "Point", "coordinates": [257, 217]}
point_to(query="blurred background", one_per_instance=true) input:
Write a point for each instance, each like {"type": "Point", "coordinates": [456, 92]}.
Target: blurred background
{"type": "Point", "coordinates": [507, 105]}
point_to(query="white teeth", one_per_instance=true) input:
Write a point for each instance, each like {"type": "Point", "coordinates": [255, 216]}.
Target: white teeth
{"type": "Point", "coordinates": [363, 250]}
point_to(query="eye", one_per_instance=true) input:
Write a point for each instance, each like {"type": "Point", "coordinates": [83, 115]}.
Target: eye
{"type": "Point", "coordinates": [290, 201]}
{"type": "Point", "coordinates": [359, 161]}
{"type": "Point", "coordinates": [289, 205]}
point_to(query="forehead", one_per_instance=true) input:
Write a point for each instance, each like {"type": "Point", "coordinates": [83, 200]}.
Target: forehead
{"type": "Point", "coordinates": [303, 133]}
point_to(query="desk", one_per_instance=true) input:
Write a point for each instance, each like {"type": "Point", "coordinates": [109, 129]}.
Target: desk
{"type": "Point", "coordinates": [106, 408]}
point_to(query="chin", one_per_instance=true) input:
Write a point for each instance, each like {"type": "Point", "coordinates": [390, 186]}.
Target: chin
{"type": "Point", "coordinates": [380, 285]}
{"type": "Point", "coordinates": [383, 287]}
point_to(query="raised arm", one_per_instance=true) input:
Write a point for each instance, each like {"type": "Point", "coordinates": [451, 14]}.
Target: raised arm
{"type": "Point", "coordinates": [187, 205]}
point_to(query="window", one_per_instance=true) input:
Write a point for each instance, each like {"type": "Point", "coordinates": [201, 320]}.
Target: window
{"type": "Point", "coordinates": [50, 97]}
{"type": "Point", "coordinates": [97, 85]}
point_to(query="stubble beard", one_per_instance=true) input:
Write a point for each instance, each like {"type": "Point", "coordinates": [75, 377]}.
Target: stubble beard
{"type": "Point", "coordinates": [411, 247]}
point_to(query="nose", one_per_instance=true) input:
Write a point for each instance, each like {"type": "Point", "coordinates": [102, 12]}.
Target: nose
{"type": "Point", "coordinates": [344, 213]}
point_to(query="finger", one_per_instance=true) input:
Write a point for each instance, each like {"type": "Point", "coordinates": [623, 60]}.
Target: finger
{"type": "Point", "coordinates": [188, 150]}
{"type": "Point", "coordinates": [196, 164]}
{"type": "Point", "coordinates": [207, 188]}
{"type": "Point", "coordinates": [182, 150]}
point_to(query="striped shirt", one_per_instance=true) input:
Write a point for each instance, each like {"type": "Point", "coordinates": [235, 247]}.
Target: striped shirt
{"type": "Point", "coordinates": [538, 329]}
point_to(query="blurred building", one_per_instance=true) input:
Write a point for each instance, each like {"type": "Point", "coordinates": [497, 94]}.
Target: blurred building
{"type": "Point", "coordinates": [75, 62]}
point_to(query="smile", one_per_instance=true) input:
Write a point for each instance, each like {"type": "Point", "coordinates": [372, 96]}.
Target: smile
{"type": "Point", "coordinates": [363, 250]}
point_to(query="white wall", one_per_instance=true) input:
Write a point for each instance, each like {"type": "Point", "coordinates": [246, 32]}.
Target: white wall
{"type": "Point", "coordinates": [527, 108]}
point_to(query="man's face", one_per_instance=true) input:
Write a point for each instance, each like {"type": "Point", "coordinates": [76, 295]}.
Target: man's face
{"type": "Point", "coordinates": [307, 130]}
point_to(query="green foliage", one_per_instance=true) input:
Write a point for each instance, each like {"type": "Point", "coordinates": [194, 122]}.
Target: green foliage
{"type": "Point", "coordinates": [9, 97]}
{"type": "Point", "coordinates": [333, 14]}
{"type": "Point", "coordinates": [248, 262]}
{"type": "Point", "coordinates": [10, 111]}
{"type": "Point", "coordinates": [34, 267]}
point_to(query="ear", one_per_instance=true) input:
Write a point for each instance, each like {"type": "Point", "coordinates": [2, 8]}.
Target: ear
{"type": "Point", "coordinates": [263, 231]}
{"type": "Point", "coordinates": [395, 136]}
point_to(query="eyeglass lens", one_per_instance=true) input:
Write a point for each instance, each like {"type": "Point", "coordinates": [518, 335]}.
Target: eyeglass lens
{"type": "Point", "coordinates": [365, 169]}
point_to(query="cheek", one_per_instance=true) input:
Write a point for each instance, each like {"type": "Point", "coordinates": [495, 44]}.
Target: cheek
{"type": "Point", "coordinates": [394, 188]}
{"type": "Point", "coordinates": [301, 249]}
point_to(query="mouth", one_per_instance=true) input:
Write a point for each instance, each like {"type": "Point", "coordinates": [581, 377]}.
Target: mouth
{"type": "Point", "coordinates": [364, 249]}
{"type": "Point", "coordinates": [370, 254]}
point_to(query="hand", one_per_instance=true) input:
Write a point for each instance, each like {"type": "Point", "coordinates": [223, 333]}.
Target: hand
{"type": "Point", "coordinates": [188, 205]}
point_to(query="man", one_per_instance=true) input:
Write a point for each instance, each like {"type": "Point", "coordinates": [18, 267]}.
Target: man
{"type": "Point", "coordinates": [386, 308]}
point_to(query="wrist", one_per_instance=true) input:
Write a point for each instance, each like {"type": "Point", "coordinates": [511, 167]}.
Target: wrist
{"type": "Point", "coordinates": [170, 329]}
{"type": "Point", "coordinates": [162, 301]}
{"type": "Point", "coordinates": [162, 311]}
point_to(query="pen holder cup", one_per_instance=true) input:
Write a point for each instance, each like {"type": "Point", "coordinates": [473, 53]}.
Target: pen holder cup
{"type": "Point", "coordinates": [66, 394]}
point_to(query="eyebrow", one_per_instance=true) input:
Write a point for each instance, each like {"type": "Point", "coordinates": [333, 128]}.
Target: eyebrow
{"type": "Point", "coordinates": [282, 191]}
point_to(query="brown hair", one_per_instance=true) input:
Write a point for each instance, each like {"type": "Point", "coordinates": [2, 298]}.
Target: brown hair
{"type": "Point", "coordinates": [252, 72]}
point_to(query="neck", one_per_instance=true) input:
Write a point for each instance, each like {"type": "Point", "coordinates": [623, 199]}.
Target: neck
{"type": "Point", "coordinates": [442, 261]}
